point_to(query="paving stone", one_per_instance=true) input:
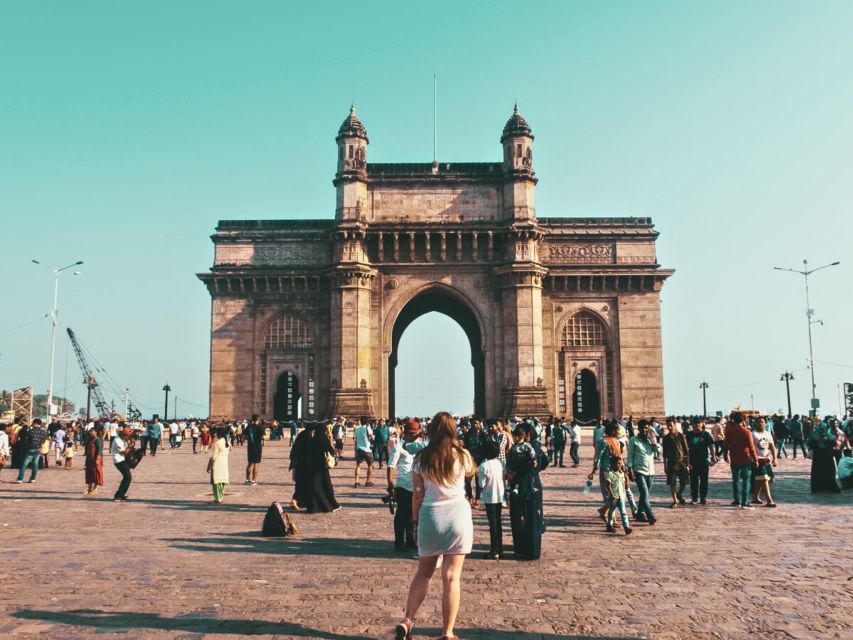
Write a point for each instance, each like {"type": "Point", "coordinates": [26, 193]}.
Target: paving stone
{"type": "Point", "coordinates": [171, 565]}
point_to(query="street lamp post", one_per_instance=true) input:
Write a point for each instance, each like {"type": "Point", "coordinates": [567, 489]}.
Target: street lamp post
{"type": "Point", "coordinates": [704, 386]}
{"type": "Point", "coordinates": [806, 272]}
{"type": "Point", "coordinates": [786, 378]}
{"type": "Point", "coordinates": [54, 316]}
{"type": "Point", "coordinates": [167, 389]}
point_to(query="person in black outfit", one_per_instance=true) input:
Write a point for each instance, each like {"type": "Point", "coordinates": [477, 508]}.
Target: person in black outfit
{"type": "Point", "coordinates": [473, 441]}
{"type": "Point", "coordinates": [254, 438]}
{"type": "Point", "coordinates": [700, 445]}
{"type": "Point", "coordinates": [319, 494]}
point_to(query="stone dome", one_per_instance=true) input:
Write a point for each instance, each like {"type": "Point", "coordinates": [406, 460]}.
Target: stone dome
{"type": "Point", "coordinates": [516, 126]}
{"type": "Point", "coordinates": [352, 127]}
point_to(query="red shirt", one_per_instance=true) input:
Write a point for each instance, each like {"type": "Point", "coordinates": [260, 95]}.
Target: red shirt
{"type": "Point", "coordinates": [740, 445]}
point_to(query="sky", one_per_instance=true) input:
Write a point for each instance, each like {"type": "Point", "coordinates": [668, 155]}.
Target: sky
{"type": "Point", "coordinates": [127, 130]}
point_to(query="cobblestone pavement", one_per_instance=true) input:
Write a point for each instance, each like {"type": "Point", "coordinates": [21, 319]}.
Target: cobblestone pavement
{"type": "Point", "coordinates": [169, 564]}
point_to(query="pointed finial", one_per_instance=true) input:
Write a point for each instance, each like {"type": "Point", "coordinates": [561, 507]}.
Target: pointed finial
{"type": "Point", "coordinates": [352, 109]}
{"type": "Point", "coordinates": [515, 108]}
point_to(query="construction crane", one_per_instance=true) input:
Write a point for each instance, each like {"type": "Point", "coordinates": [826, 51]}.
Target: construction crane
{"type": "Point", "coordinates": [89, 379]}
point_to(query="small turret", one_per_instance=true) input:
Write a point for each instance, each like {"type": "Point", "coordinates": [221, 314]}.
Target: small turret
{"type": "Point", "coordinates": [517, 140]}
{"type": "Point", "coordinates": [352, 145]}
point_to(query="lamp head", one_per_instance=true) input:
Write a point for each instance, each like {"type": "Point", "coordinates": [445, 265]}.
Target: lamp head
{"type": "Point", "coordinates": [34, 261]}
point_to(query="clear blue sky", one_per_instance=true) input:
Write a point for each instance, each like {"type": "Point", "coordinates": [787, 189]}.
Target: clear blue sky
{"type": "Point", "coordinates": [128, 129]}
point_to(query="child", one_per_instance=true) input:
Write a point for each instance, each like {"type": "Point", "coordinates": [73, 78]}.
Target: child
{"type": "Point", "coordinates": [616, 493]}
{"type": "Point", "coordinates": [68, 452]}
{"type": "Point", "coordinates": [490, 477]}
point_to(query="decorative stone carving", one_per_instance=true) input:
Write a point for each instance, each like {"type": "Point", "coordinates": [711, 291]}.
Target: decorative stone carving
{"type": "Point", "coordinates": [393, 283]}
{"type": "Point", "coordinates": [580, 253]}
{"type": "Point", "coordinates": [285, 253]}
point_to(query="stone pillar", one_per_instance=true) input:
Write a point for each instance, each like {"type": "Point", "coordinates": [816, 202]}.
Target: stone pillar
{"type": "Point", "coordinates": [232, 358]}
{"type": "Point", "coordinates": [525, 392]}
{"type": "Point", "coordinates": [351, 388]}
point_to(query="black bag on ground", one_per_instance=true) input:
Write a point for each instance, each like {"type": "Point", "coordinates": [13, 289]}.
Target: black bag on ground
{"type": "Point", "coordinates": [277, 523]}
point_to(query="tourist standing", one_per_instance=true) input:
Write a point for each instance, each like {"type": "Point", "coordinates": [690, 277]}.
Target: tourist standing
{"type": "Point", "coordinates": [195, 432]}
{"type": "Point", "coordinates": [94, 460]}
{"type": "Point", "coordinates": [741, 454]}
{"type": "Point", "coordinates": [205, 437]}
{"type": "Point", "coordinates": [31, 442]}
{"type": "Point", "coordinates": [380, 442]}
{"type": "Point", "coordinates": [5, 449]}
{"type": "Point", "coordinates": [318, 494]}
{"type": "Point", "coordinates": [558, 442]}
{"type": "Point", "coordinates": [767, 457]}
{"type": "Point", "coordinates": [254, 438]}
{"type": "Point", "coordinates": [490, 477]}
{"type": "Point", "coordinates": [120, 448]}
{"type": "Point", "coordinates": [363, 452]}
{"type": "Point", "coordinates": [443, 516]}
{"type": "Point", "coordinates": [217, 466]}
{"type": "Point", "coordinates": [400, 484]}
{"type": "Point", "coordinates": [700, 444]}
{"type": "Point", "coordinates": [824, 471]}
{"type": "Point", "coordinates": [641, 469]}
{"type": "Point", "coordinates": [524, 512]}
{"type": "Point", "coordinates": [574, 445]}
{"type": "Point", "coordinates": [299, 468]}
{"type": "Point", "coordinates": [718, 434]}
{"type": "Point", "coordinates": [676, 463]}
{"type": "Point", "coordinates": [616, 490]}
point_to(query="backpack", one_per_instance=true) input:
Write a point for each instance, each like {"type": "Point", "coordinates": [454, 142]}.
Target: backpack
{"type": "Point", "coordinates": [277, 524]}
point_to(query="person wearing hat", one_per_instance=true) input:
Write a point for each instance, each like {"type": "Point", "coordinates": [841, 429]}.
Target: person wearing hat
{"type": "Point", "coordinates": [120, 448]}
{"type": "Point", "coordinates": [400, 484]}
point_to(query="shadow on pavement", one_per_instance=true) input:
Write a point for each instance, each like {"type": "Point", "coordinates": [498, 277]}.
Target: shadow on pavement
{"type": "Point", "coordinates": [254, 543]}
{"type": "Point", "coordinates": [127, 620]}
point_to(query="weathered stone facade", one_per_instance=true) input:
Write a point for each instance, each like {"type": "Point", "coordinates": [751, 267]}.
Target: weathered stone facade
{"type": "Point", "coordinates": [541, 299]}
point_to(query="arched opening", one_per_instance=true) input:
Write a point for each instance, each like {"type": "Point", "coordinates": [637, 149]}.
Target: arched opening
{"type": "Point", "coordinates": [586, 401]}
{"type": "Point", "coordinates": [437, 301]}
{"type": "Point", "coordinates": [287, 401]}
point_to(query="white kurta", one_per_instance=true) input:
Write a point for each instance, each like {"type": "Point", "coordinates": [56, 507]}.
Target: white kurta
{"type": "Point", "coordinates": [219, 458]}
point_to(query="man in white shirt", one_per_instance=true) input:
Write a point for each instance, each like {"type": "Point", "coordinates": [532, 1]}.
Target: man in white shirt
{"type": "Point", "coordinates": [173, 435]}
{"type": "Point", "coordinates": [575, 443]}
{"type": "Point", "coordinates": [120, 449]}
{"type": "Point", "coordinates": [400, 483]}
{"type": "Point", "coordinates": [363, 451]}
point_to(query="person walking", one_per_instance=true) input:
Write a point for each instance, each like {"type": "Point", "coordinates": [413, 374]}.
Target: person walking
{"type": "Point", "coordinates": [444, 525]}
{"type": "Point", "coordinates": [616, 489]}
{"type": "Point", "coordinates": [574, 432]}
{"type": "Point", "coordinates": [380, 442]}
{"type": "Point", "coordinates": [155, 434]}
{"type": "Point", "coordinates": [824, 471]}
{"type": "Point", "coordinates": [795, 432]}
{"type": "Point", "coordinates": [253, 435]}
{"type": "Point", "coordinates": [525, 514]}
{"type": "Point", "coordinates": [120, 448]}
{"type": "Point", "coordinates": [641, 469]}
{"type": "Point", "coordinates": [31, 442]}
{"type": "Point", "coordinates": [217, 466]}
{"type": "Point", "coordinates": [700, 445]}
{"type": "Point", "coordinates": [94, 460]}
{"type": "Point", "coordinates": [740, 454]}
{"type": "Point", "coordinates": [558, 442]}
{"type": "Point", "coordinates": [363, 452]}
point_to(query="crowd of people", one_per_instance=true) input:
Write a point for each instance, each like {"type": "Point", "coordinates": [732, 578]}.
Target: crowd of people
{"type": "Point", "coordinates": [438, 470]}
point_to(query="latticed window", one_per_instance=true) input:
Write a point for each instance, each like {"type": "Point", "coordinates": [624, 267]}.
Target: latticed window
{"type": "Point", "coordinates": [584, 330]}
{"type": "Point", "coordinates": [287, 332]}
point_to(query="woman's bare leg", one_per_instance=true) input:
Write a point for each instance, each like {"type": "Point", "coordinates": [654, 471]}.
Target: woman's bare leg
{"type": "Point", "coordinates": [451, 576]}
{"type": "Point", "coordinates": [420, 585]}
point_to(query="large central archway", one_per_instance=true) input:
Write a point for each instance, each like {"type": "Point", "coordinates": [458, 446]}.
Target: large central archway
{"type": "Point", "coordinates": [444, 303]}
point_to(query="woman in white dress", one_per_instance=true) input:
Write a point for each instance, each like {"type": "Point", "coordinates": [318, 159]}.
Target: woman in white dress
{"type": "Point", "coordinates": [443, 519]}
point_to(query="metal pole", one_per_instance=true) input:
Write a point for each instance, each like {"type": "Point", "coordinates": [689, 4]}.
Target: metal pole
{"type": "Point", "coordinates": [52, 340]}
{"type": "Point", "coordinates": [434, 118]}
{"type": "Point", "coordinates": [786, 378]}
{"type": "Point", "coordinates": [126, 400]}
{"type": "Point", "coordinates": [88, 399]}
{"type": "Point", "coordinates": [811, 345]}
{"type": "Point", "coordinates": [704, 387]}
{"type": "Point", "coordinates": [167, 389]}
